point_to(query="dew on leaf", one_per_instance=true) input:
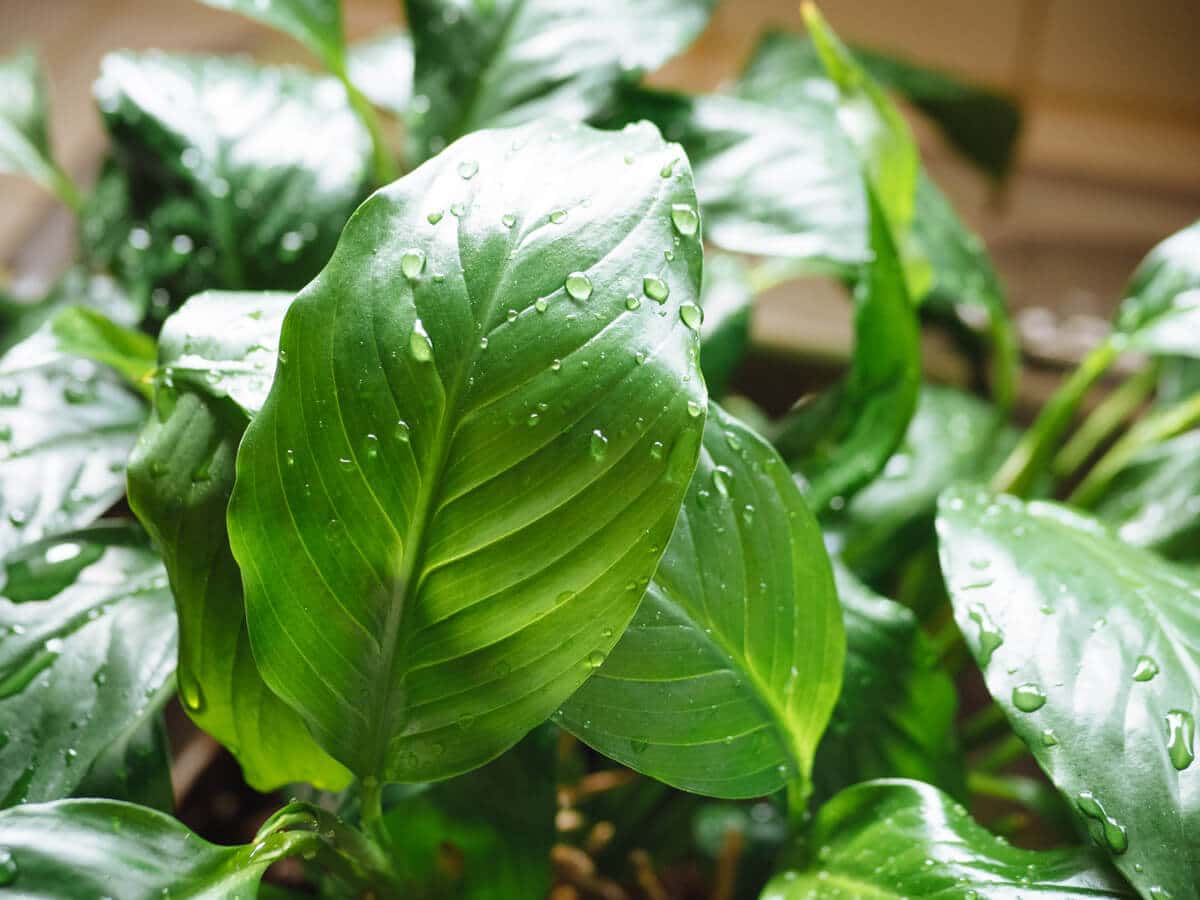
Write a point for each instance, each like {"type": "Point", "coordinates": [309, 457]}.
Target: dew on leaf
{"type": "Point", "coordinates": [655, 288]}
{"type": "Point", "coordinates": [691, 315]}
{"type": "Point", "coordinates": [467, 169]}
{"type": "Point", "coordinates": [1181, 733]}
{"type": "Point", "coordinates": [990, 637]}
{"type": "Point", "coordinates": [419, 343]}
{"type": "Point", "coordinates": [8, 867]}
{"type": "Point", "coordinates": [599, 445]}
{"type": "Point", "coordinates": [402, 432]}
{"type": "Point", "coordinates": [1113, 832]}
{"type": "Point", "coordinates": [579, 286]}
{"type": "Point", "coordinates": [1145, 669]}
{"type": "Point", "coordinates": [1028, 697]}
{"type": "Point", "coordinates": [434, 217]}
{"type": "Point", "coordinates": [684, 218]}
{"type": "Point", "coordinates": [412, 263]}
{"type": "Point", "coordinates": [632, 301]}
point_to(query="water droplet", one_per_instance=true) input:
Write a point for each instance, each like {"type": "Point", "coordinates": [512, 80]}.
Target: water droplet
{"type": "Point", "coordinates": [691, 315]}
{"type": "Point", "coordinates": [748, 514]}
{"type": "Point", "coordinates": [508, 220]}
{"type": "Point", "coordinates": [632, 301]}
{"type": "Point", "coordinates": [595, 659]}
{"type": "Point", "coordinates": [434, 217]}
{"type": "Point", "coordinates": [190, 692]}
{"type": "Point", "coordinates": [657, 450]}
{"type": "Point", "coordinates": [684, 218]}
{"type": "Point", "coordinates": [1049, 738]}
{"type": "Point", "coordinates": [8, 867]}
{"type": "Point", "coordinates": [721, 477]}
{"type": "Point", "coordinates": [467, 169]}
{"type": "Point", "coordinates": [1145, 669]}
{"type": "Point", "coordinates": [1028, 697]}
{"type": "Point", "coordinates": [667, 169]}
{"type": "Point", "coordinates": [533, 419]}
{"type": "Point", "coordinates": [412, 263]}
{"type": "Point", "coordinates": [1113, 832]}
{"type": "Point", "coordinates": [990, 637]}
{"type": "Point", "coordinates": [541, 304]}
{"type": "Point", "coordinates": [558, 215]}
{"type": "Point", "coordinates": [346, 464]}
{"type": "Point", "coordinates": [578, 286]}
{"type": "Point", "coordinates": [370, 446]}
{"type": "Point", "coordinates": [465, 721]}
{"type": "Point", "coordinates": [655, 288]}
{"type": "Point", "coordinates": [402, 432]}
{"type": "Point", "coordinates": [419, 343]}
{"type": "Point", "coordinates": [457, 210]}
{"type": "Point", "coordinates": [1181, 732]}
{"type": "Point", "coordinates": [694, 409]}
{"type": "Point", "coordinates": [556, 366]}
{"type": "Point", "coordinates": [599, 445]}
{"type": "Point", "coordinates": [638, 746]}
{"type": "Point", "coordinates": [511, 315]}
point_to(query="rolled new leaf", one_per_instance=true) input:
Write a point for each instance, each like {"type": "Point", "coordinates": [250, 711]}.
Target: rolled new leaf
{"type": "Point", "coordinates": [486, 413]}
{"type": "Point", "coordinates": [726, 679]}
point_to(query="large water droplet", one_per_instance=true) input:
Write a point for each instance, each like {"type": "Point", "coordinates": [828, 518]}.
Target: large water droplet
{"type": "Point", "coordinates": [1113, 832]}
{"type": "Point", "coordinates": [412, 263]}
{"type": "Point", "coordinates": [989, 634]}
{"type": "Point", "coordinates": [579, 286]}
{"type": "Point", "coordinates": [1181, 733]}
{"type": "Point", "coordinates": [684, 218]}
{"type": "Point", "coordinates": [655, 288]}
{"type": "Point", "coordinates": [595, 659]}
{"type": "Point", "coordinates": [190, 691]}
{"type": "Point", "coordinates": [691, 315]}
{"type": "Point", "coordinates": [419, 343]}
{"type": "Point", "coordinates": [434, 217]}
{"type": "Point", "coordinates": [1028, 697]}
{"type": "Point", "coordinates": [1145, 669]}
{"type": "Point", "coordinates": [599, 445]}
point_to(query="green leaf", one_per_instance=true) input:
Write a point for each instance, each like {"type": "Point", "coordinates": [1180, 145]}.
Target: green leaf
{"type": "Point", "coordinates": [953, 436]}
{"type": "Point", "coordinates": [726, 298]}
{"type": "Point", "coordinates": [77, 287]}
{"type": "Point", "coordinates": [24, 136]}
{"type": "Point", "coordinates": [236, 175]}
{"type": "Point", "coordinates": [1090, 646]}
{"type": "Point", "coordinates": [83, 849]}
{"type": "Point", "coordinates": [1152, 502]}
{"type": "Point", "coordinates": [981, 124]}
{"type": "Point", "coordinates": [895, 716]}
{"type": "Point", "coordinates": [1161, 310]}
{"type": "Point", "coordinates": [217, 356]}
{"type": "Point", "coordinates": [500, 443]}
{"type": "Point", "coordinates": [769, 184]}
{"type": "Point", "coordinates": [90, 334]}
{"type": "Point", "coordinates": [66, 429]}
{"type": "Point", "coordinates": [844, 438]}
{"type": "Point", "coordinates": [136, 769]}
{"type": "Point", "coordinates": [726, 679]}
{"type": "Point", "coordinates": [900, 838]}
{"type": "Point", "coordinates": [87, 656]}
{"type": "Point", "coordinates": [317, 24]}
{"type": "Point", "coordinates": [486, 835]}
{"type": "Point", "coordinates": [508, 62]}
{"type": "Point", "coordinates": [382, 68]}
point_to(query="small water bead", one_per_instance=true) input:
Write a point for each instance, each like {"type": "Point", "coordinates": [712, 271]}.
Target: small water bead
{"type": "Point", "coordinates": [655, 288]}
{"type": "Point", "coordinates": [1114, 833]}
{"type": "Point", "coordinates": [483, 342]}
{"type": "Point", "coordinates": [541, 304]}
{"type": "Point", "coordinates": [190, 691]}
{"type": "Point", "coordinates": [371, 446]}
{"type": "Point", "coordinates": [434, 217]}
{"type": "Point", "coordinates": [419, 343]}
{"type": "Point", "coordinates": [721, 478]}
{"type": "Point", "coordinates": [657, 450]}
{"type": "Point", "coordinates": [412, 263]}
{"type": "Point", "coordinates": [1049, 738]}
{"type": "Point", "coordinates": [467, 169]}
{"type": "Point", "coordinates": [748, 514]}
{"type": "Point", "coordinates": [595, 659]}
{"type": "Point", "coordinates": [1181, 733]}
{"type": "Point", "coordinates": [691, 315]}
{"type": "Point", "coordinates": [8, 867]}
{"type": "Point", "coordinates": [457, 210]}
{"type": "Point", "coordinates": [402, 432]}
{"type": "Point", "coordinates": [599, 445]}
{"type": "Point", "coordinates": [533, 419]}
{"type": "Point", "coordinates": [990, 637]}
{"type": "Point", "coordinates": [639, 357]}
{"type": "Point", "coordinates": [669, 255]}
{"type": "Point", "coordinates": [1145, 669]}
{"type": "Point", "coordinates": [508, 220]}
{"type": "Point", "coordinates": [694, 409]}
{"type": "Point", "coordinates": [684, 218]}
{"type": "Point", "coordinates": [668, 168]}
{"type": "Point", "coordinates": [1028, 697]}
{"type": "Point", "coordinates": [578, 285]}
{"type": "Point", "coordinates": [346, 464]}
{"type": "Point", "coordinates": [511, 315]}
{"type": "Point", "coordinates": [558, 216]}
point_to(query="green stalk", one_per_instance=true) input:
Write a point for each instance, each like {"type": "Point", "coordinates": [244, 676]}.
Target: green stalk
{"type": "Point", "coordinates": [1104, 421]}
{"type": "Point", "coordinates": [798, 793]}
{"type": "Point", "coordinates": [381, 157]}
{"type": "Point", "coordinates": [371, 800]}
{"type": "Point", "coordinates": [1149, 431]}
{"type": "Point", "coordinates": [1033, 452]}
{"type": "Point", "coordinates": [1001, 754]}
{"type": "Point", "coordinates": [66, 190]}
{"type": "Point", "coordinates": [981, 724]}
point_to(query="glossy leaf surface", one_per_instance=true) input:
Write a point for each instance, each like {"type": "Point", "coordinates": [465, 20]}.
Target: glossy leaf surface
{"type": "Point", "coordinates": [509, 62]}
{"type": "Point", "coordinates": [895, 715]}
{"type": "Point", "coordinates": [726, 299]}
{"type": "Point", "coordinates": [86, 658]}
{"type": "Point", "coordinates": [19, 318]}
{"type": "Point", "coordinates": [231, 174]}
{"type": "Point", "coordinates": [317, 24]}
{"type": "Point", "coordinates": [217, 356]}
{"type": "Point", "coordinates": [1091, 647]}
{"type": "Point", "coordinates": [1161, 310]}
{"type": "Point", "coordinates": [895, 839]}
{"type": "Point", "coordinates": [726, 679]}
{"type": "Point", "coordinates": [136, 769]}
{"type": "Point", "coordinates": [66, 428]}
{"type": "Point", "coordinates": [83, 849]}
{"type": "Point", "coordinates": [92, 335]}
{"type": "Point", "coordinates": [474, 443]}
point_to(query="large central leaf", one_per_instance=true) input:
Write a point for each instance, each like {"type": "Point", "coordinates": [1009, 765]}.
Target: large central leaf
{"type": "Point", "coordinates": [486, 413]}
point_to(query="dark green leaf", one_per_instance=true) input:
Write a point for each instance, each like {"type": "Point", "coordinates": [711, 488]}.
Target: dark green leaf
{"type": "Point", "coordinates": [1161, 310]}
{"type": "Point", "coordinates": [446, 492]}
{"type": "Point", "coordinates": [382, 68]}
{"type": "Point", "coordinates": [952, 437]}
{"type": "Point", "coordinates": [84, 849]}
{"type": "Point", "coordinates": [1090, 646]}
{"type": "Point", "coordinates": [217, 355]}
{"type": "Point", "coordinates": [906, 839]}
{"type": "Point", "coordinates": [769, 184]}
{"type": "Point", "coordinates": [317, 24]}
{"type": "Point", "coordinates": [236, 175]}
{"type": "Point", "coordinates": [895, 715]}
{"type": "Point", "coordinates": [486, 835]}
{"type": "Point", "coordinates": [726, 298]}
{"type": "Point", "coordinates": [66, 428]}
{"type": "Point", "coordinates": [83, 668]}
{"type": "Point", "coordinates": [508, 62]}
{"type": "Point", "coordinates": [726, 679]}
{"type": "Point", "coordinates": [136, 769]}
{"type": "Point", "coordinates": [87, 333]}
{"type": "Point", "coordinates": [1155, 501]}
{"type": "Point", "coordinates": [843, 439]}
{"type": "Point", "coordinates": [24, 137]}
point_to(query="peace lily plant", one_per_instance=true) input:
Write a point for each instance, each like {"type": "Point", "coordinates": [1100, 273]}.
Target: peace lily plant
{"type": "Point", "coordinates": [416, 478]}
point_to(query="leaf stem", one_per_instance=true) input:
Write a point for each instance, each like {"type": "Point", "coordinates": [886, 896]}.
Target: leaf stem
{"type": "Point", "coordinates": [1104, 420]}
{"type": "Point", "coordinates": [1032, 453]}
{"type": "Point", "coordinates": [981, 724]}
{"type": "Point", "coordinates": [66, 190]}
{"type": "Point", "coordinates": [371, 801]}
{"type": "Point", "coordinates": [383, 165]}
{"type": "Point", "coordinates": [798, 792]}
{"type": "Point", "coordinates": [1006, 751]}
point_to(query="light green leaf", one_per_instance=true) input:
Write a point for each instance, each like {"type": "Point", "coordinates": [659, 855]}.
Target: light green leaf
{"type": "Point", "coordinates": [843, 439]}
{"type": "Point", "coordinates": [233, 175]}
{"type": "Point", "coordinates": [896, 839]}
{"type": "Point", "coordinates": [1161, 310]}
{"type": "Point", "coordinates": [439, 506]}
{"type": "Point", "coordinates": [895, 715]}
{"type": "Point", "coordinates": [66, 428]}
{"type": "Point", "coordinates": [136, 769]}
{"type": "Point", "coordinates": [726, 298]}
{"type": "Point", "coordinates": [92, 335]}
{"type": "Point", "coordinates": [382, 68]}
{"type": "Point", "coordinates": [217, 356]}
{"type": "Point", "coordinates": [83, 849]}
{"type": "Point", "coordinates": [495, 824]}
{"type": "Point", "coordinates": [24, 136]}
{"type": "Point", "coordinates": [317, 24]}
{"type": "Point", "coordinates": [726, 679]}
{"type": "Point", "coordinates": [19, 318]}
{"type": "Point", "coordinates": [86, 659]}
{"type": "Point", "coordinates": [508, 62]}
{"type": "Point", "coordinates": [1092, 648]}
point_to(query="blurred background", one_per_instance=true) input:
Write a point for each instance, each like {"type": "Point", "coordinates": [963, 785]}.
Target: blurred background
{"type": "Point", "coordinates": [1108, 163]}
